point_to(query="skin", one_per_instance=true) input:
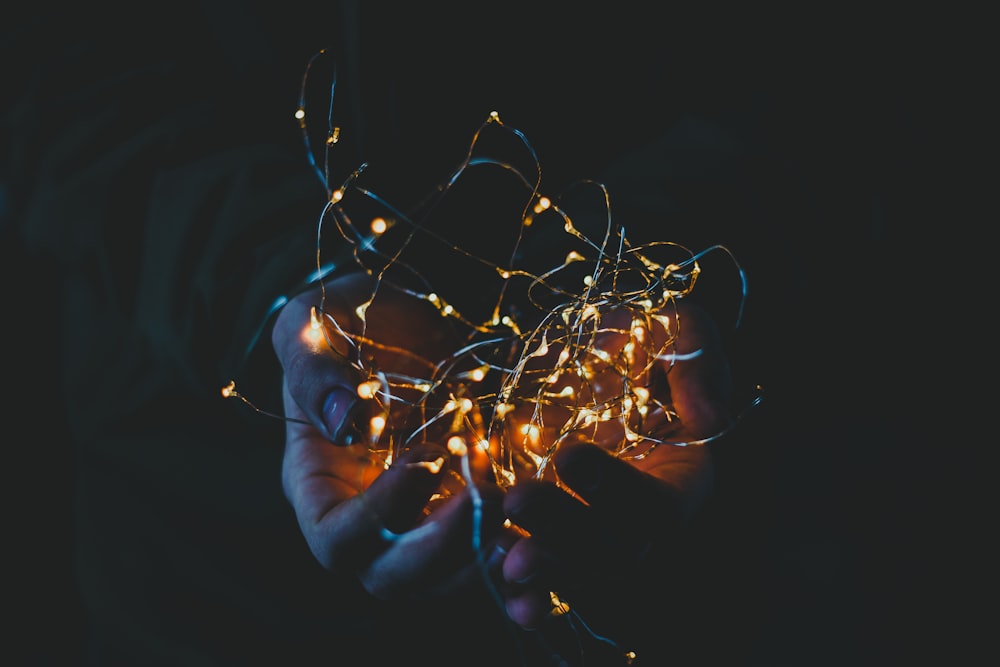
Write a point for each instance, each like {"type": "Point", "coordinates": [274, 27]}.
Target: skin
{"type": "Point", "coordinates": [584, 513]}
{"type": "Point", "coordinates": [343, 498]}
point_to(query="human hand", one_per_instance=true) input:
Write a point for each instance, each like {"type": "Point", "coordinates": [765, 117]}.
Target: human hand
{"type": "Point", "coordinates": [632, 509]}
{"type": "Point", "coordinates": [359, 517]}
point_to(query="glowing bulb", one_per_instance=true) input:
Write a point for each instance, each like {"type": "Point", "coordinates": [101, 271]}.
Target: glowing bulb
{"type": "Point", "coordinates": [229, 389]}
{"type": "Point", "coordinates": [379, 225]}
{"type": "Point", "coordinates": [376, 424]}
{"type": "Point", "coordinates": [543, 349]}
{"type": "Point", "coordinates": [476, 374]}
{"type": "Point", "coordinates": [434, 466]}
{"type": "Point", "coordinates": [333, 137]}
{"type": "Point", "coordinates": [601, 354]}
{"type": "Point", "coordinates": [368, 389]}
{"type": "Point", "coordinates": [508, 321]}
{"type": "Point", "coordinates": [641, 395]}
{"type": "Point", "coordinates": [638, 330]}
{"type": "Point", "coordinates": [457, 446]}
{"type": "Point", "coordinates": [336, 195]}
{"type": "Point", "coordinates": [362, 310]}
{"type": "Point", "coordinates": [312, 335]}
{"type": "Point", "coordinates": [531, 432]}
{"type": "Point", "coordinates": [559, 607]}
{"type": "Point", "coordinates": [586, 417]}
{"type": "Point", "coordinates": [300, 114]}
{"type": "Point", "coordinates": [542, 204]}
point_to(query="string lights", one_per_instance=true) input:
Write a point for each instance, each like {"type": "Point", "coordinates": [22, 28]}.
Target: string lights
{"type": "Point", "coordinates": [571, 352]}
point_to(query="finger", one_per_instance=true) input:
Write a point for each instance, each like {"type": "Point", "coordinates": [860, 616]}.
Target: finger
{"type": "Point", "coordinates": [528, 564]}
{"type": "Point", "coordinates": [441, 548]}
{"type": "Point", "coordinates": [486, 569]}
{"type": "Point", "coordinates": [529, 607]}
{"type": "Point", "coordinates": [698, 373]}
{"type": "Point", "coordinates": [617, 491]}
{"type": "Point", "coordinates": [552, 516]}
{"type": "Point", "coordinates": [660, 491]}
{"type": "Point", "coordinates": [320, 382]}
{"type": "Point", "coordinates": [346, 524]}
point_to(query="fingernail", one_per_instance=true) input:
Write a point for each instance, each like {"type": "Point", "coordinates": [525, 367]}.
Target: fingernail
{"type": "Point", "coordinates": [337, 413]}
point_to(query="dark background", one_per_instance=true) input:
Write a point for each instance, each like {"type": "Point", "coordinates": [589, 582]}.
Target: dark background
{"type": "Point", "coordinates": [826, 149]}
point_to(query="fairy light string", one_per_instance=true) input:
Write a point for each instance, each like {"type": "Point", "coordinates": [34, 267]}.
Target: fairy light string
{"type": "Point", "coordinates": [570, 357]}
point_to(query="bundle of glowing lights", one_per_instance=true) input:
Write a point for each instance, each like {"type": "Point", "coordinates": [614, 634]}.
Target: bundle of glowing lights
{"type": "Point", "coordinates": [578, 367]}
{"type": "Point", "coordinates": [580, 353]}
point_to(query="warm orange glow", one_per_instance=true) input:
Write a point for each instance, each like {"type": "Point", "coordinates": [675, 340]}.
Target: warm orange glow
{"type": "Point", "coordinates": [641, 395]}
{"type": "Point", "coordinates": [638, 331]}
{"type": "Point", "coordinates": [457, 446]}
{"type": "Point", "coordinates": [476, 374]}
{"type": "Point", "coordinates": [558, 606]}
{"type": "Point", "coordinates": [362, 310]}
{"type": "Point", "coordinates": [368, 389]}
{"type": "Point", "coordinates": [377, 424]}
{"type": "Point", "coordinates": [312, 334]}
{"type": "Point", "coordinates": [434, 466]}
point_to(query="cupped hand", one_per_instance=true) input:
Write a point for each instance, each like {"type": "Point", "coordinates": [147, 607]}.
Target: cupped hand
{"type": "Point", "coordinates": [602, 516]}
{"type": "Point", "coordinates": [362, 513]}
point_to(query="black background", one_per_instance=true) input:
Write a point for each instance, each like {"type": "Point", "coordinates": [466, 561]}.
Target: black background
{"type": "Point", "coordinates": [824, 147]}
